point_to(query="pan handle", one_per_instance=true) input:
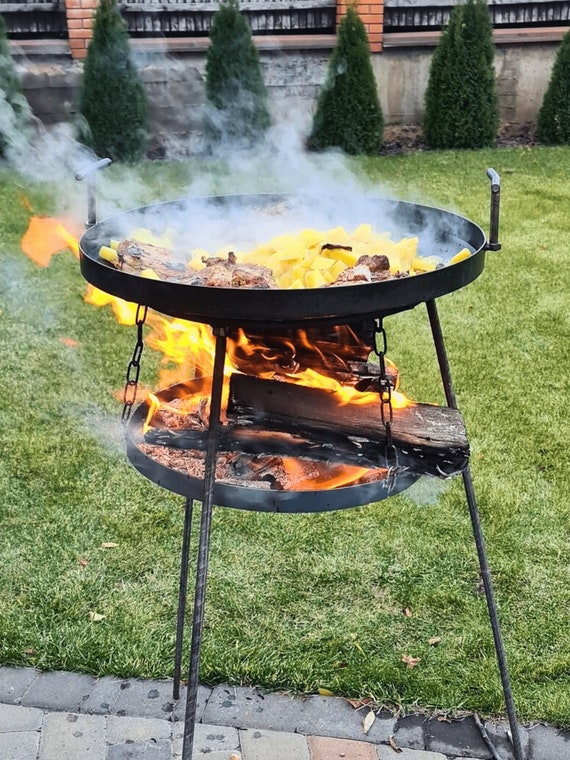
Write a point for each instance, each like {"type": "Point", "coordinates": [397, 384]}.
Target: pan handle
{"type": "Point", "coordinates": [88, 173]}
{"type": "Point", "coordinates": [493, 242]}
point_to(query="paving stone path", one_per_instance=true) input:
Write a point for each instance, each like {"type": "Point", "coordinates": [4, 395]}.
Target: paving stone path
{"type": "Point", "coordinates": [67, 716]}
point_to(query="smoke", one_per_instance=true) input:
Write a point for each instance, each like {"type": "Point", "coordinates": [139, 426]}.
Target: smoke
{"type": "Point", "coordinates": [427, 491]}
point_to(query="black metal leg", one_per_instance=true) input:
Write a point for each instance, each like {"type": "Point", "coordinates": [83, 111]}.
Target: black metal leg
{"type": "Point", "coordinates": [182, 595]}
{"type": "Point", "coordinates": [479, 540]}
{"type": "Point", "coordinates": [204, 545]}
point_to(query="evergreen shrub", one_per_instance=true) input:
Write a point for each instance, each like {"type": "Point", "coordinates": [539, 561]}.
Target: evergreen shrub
{"type": "Point", "coordinates": [113, 101]}
{"type": "Point", "coordinates": [15, 112]}
{"type": "Point", "coordinates": [553, 124]}
{"type": "Point", "coordinates": [348, 114]}
{"type": "Point", "coordinates": [236, 113]}
{"type": "Point", "coordinates": [461, 104]}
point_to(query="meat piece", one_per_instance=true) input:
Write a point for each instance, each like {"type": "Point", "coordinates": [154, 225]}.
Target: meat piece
{"type": "Point", "coordinates": [214, 276]}
{"type": "Point", "coordinates": [355, 275]}
{"type": "Point", "coordinates": [227, 273]}
{"type": "Point", "coordinates": [135, 257]}
{"type": "Point", "coordinates": [252, 276]}
{"type": "Point", "coordinates": [214, 261]}
{"type": "Point", "coordinates": [376, 263]}
{"type": "Point", "coordinates": [367, 269]}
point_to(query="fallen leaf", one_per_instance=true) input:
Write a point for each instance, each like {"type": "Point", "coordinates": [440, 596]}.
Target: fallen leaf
{"type": "Point", "coordinates": [369, 719]}
{"type": "Point", "coordinates": [326, 693]}
{"type": "Point", "coordinates": [70, 342]}
{"type": "Point", "coordinates": [358, 703]}
{"type": "Point", "coordinates": [410, 661]}
{"type": "Point", "coordinates": [394, 745]}
{"type": "Point", "coordinates": [407, 612]}
{"type": "Point", "coordinates": [108, 545]}
{"type": "Point", "coordinates": [95, 617]}
{"type": "Point", "coordinates": [83, 562]}
{"type": "Point", "coordinates": [434, 641]}
{"type": "Point", "coordinates": [235, 756]}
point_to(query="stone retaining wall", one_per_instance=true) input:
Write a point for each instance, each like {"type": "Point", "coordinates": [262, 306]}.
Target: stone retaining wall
{"type": "Point", "coordinates": [174, 81]}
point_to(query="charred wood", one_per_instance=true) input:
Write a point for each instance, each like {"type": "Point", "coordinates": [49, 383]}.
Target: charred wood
{"type": "Point", "coordinates": [292, 406]}
{"type": "Point", "coordinates": [282, 419]}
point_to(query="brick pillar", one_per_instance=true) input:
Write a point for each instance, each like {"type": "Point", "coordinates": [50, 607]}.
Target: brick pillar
{"type": "Point", "coordinates": [372, 14]}
{"type": "Point", "coordinates": [79, 22]}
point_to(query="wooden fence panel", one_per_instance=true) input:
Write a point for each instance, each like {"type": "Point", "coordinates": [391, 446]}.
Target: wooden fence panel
{"type": "Point", "coordinates": [177, 18]}
{"type": "Point", "coordinates": [425, 16]}
{"type": "Point", "coordinates": [40, 19]}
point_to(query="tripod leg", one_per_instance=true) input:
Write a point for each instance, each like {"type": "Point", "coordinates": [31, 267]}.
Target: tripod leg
{"type": "Point", "coordinates": [479, 540]}
{"type": "Point", "coordinates": [182, 595]}
{"type": "Point", "coordinates": [204, 544]}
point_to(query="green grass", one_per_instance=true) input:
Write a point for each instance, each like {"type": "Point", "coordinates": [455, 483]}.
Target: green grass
{"type": "Point", "coordinates": [303, 602]}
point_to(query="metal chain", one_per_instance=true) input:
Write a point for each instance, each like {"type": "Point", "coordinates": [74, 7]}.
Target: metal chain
{"type": "Point", "coordinates": [134, 367]}
{"type": "Point", "coordinates": [385, 388]}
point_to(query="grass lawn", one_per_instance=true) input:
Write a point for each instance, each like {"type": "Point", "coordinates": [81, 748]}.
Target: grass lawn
{"type": "Point", "coordinates": [303, 602]}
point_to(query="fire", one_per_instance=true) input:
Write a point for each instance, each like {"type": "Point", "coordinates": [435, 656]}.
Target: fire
{"type": "Point", "coordinates": [333, 476]}
{"type": "Point", "coordinates": [45, 237]}
{"type": "Point", "coordinates": [346, 394]}
{"type": "Point", "coordinates": [187, 350]}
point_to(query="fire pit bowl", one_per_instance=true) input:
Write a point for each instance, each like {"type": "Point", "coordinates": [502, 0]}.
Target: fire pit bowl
{"type": "Point", "coordinates": [207, 222]}
{"type": "Point", "coordinates": [251, 497]}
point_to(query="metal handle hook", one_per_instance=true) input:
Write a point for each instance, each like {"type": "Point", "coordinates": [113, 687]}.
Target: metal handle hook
{"type": "Point", "coordinates": [493, 243]}
{"type": "Point", "coordinates": [88, 173]}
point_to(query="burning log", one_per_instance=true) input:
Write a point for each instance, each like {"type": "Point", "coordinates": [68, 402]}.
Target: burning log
{"type": "Point", "coordinates": [290, 407]}
{"type": "Point", "coordinates": [272, 418]}
{"type": "Point", "coordinates": [338, 352]}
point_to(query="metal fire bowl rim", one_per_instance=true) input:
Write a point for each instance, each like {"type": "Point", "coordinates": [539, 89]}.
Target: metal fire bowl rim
{"type": "Point", "coordinates": [255, 499]}
{"type": "Point", "coordinates": [228, 307]}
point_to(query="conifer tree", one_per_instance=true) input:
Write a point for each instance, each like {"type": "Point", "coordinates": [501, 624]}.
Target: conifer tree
{"type": "Point", "coordinates": [113, 101]}
{"type": "Point", "coordinates": [236, 114]}
{"type": "Point", "coordinates": [349, 115]}
{"type": "Point", "coordinates": [461, 104]}
{"type": "Point", "coordinates": [553, 124]}
{"type": "Point", "coordinates": [15, 112]}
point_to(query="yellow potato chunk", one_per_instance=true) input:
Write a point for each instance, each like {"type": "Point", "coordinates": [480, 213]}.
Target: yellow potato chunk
{"type": "Point", "coordinates": [150, 274]}
{"type": "Point", "coordinates": [321, 262]}
{"type": "Point", "coordinates": [337, 268]}
{"type": "Point", "coordinates": [293, 252]}
{"type": "Point", "coordinates": [427, 264]}
{"type": "Point", "coordinates": [314, 279]}
{"type": "Point", "coordinates": [336, 235]}
{"type": "Point", "coordinates": [311, 238]}
{"type": "Point", "coordinates": [363, 233]}
{"type": "Point", "coordinates": [463, 254]}
{"type": "Point", "coordinates": [108, 254]}
{"type": "Point", "coordinates": [348, 258]}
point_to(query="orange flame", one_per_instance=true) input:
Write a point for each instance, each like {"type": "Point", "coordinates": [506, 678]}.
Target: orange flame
{"type": "Point", "coordinates": [45, 237]}
{"type": "Point", "coordinates": [330, 475]}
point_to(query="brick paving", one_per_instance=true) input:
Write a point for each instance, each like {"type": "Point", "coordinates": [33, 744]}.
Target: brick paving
{"type": "Point", "coordinates": [66, 716]}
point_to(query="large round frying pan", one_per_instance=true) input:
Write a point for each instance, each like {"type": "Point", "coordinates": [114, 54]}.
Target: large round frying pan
{"type": "Point", "coordinates": [247, 220]}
